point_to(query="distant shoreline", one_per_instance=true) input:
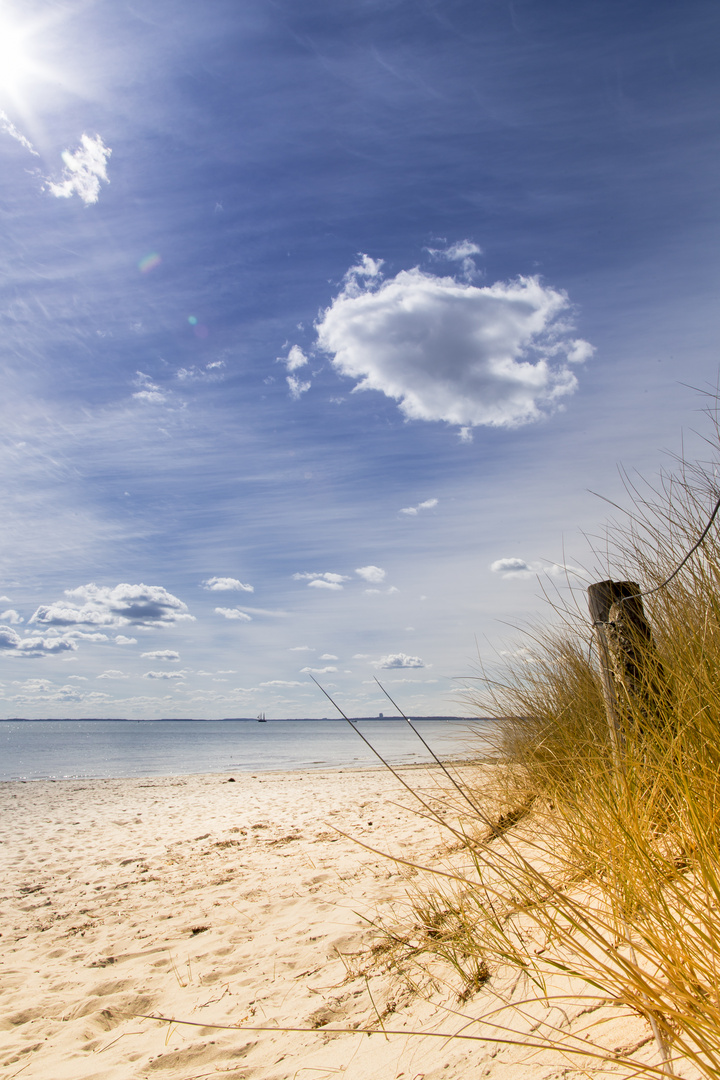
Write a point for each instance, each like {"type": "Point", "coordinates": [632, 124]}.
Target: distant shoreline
{"type": "Point", "coordinates": [230, 719]}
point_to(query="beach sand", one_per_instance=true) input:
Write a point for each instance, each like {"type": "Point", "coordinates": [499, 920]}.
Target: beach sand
{"type": "Point", "coordinates": [223, 902]}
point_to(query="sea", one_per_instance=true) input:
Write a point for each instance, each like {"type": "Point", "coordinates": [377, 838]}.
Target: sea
{"type": "Point", "coordinates": [95, 749]}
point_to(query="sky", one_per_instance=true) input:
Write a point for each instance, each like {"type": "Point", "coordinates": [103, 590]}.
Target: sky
{"type": "Point", "coordinates": [327, 328]}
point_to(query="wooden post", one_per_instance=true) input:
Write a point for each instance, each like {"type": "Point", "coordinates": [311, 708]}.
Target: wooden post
{"type": "Point", "coordinates": [600, 602]}
{"type": "Point", "coordinates": [632, 675]}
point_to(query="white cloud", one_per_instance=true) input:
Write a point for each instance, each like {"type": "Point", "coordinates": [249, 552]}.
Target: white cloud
{"type": "Point", "coordinates": [153, 397]}
{"type": "Point", "coordinates": [11, 616]}
{"type": "Point", "coordinates": [78, 678]}
{"type": "Point", "coordinates": [149, 391]}
{"type": "Point", "coordinates": [300, 648]}
{"type": "Point", "coordinates": [113, 673]}
{"type": "Point", "coordinates": [13, 645]}
{"type": "Point", "coordinates": [364, 273]}
{"type": "Point", "coordinates": [122, 605]}
{"type": "Point", "coordinates": [317, 670]}
{"type": "Point", "coordinates": [462, 251]}
{"type": "Point", "coordinates": [297, 388]}
{"type": "Point", "coordinates": [518, 569]}
{"type": "Point", "coordinates": [580, 351]}
{"type": "Point", "coordinates": [161, 654]}
{"type": "Point", "coordinates": [372, 574]}
{"type": "Point", "coordinates": [226, 584]}
{"type": "Point", "coordinates": [323, 581]}
{"type": "Point", "coordinates": [413, 511]}
{"type": "Point", "coordinates": [233, 613]}
{"type": "Point", "coordinates": [329, 656]}
{"type": "Point", "coordinates": [295, 359]}
{"type": "Point", "coordinates": [120, 639]}
{"type": "Point", "coordinates": [5, 600]}
{"type": "Point", "coordinates": [164, 675]}
{"type": "Point", "coordinates": [512, 568]}
{"type": "Point", "coordinates": [83, 171]}
{"type": "Point", "coordinates": [210, 373]}
{"type": "Point", "coordinates": [448, 350]}
{"type": "Point", "coordinates": [9, 128]}
{"type": "Point", "coordinates": [399, 660]}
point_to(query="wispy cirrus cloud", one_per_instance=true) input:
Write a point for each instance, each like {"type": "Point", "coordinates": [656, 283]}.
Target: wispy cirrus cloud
{"type": "Point", "coordinates": [413, 511]}
{"type": "Point", "coordinates": [84, 171]}
{"type": "Point", "coordinates": [233, 613]}
{"type": "Point", "coordinates": [282, 682]}
{"type": "Point", "coordinates": [9, 128]}
{"type": "Point", "coordinates": [148, 390]}
{"type": "Point", "coordinates": [448, 350]}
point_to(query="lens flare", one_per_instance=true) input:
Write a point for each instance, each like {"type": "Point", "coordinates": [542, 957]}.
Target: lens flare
{"type": "Point", "coordinates": [149, 262]}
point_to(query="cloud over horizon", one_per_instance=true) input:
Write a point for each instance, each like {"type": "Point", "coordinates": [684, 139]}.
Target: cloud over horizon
{"type": "Point", "coordinates": [447, 350]}
{"type": "Point", "coordinates": [399, 660]}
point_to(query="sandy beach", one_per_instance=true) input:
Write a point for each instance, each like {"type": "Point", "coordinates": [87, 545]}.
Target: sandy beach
{"type": "Point", "coordinates": [222, 901]}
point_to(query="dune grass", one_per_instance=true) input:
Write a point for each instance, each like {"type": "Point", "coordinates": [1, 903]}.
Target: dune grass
{"type": "Point", "coordinates": [616, 883]}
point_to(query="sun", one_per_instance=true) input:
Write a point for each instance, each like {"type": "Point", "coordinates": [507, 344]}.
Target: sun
{"type": "Point", "coordinates": [16, 63]}
{"type": "Point", "coordinates": [24, 69]}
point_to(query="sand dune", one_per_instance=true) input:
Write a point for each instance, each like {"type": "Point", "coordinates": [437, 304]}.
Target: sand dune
{"type": "Point", "coordinates": [223, 902]}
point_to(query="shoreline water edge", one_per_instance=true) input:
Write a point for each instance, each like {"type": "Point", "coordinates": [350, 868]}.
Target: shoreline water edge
{"type": "Point", "coordinates": [84, 749]}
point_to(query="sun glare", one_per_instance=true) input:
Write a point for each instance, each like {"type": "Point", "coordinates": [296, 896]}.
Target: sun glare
{"type": "Point", "coordinates": [24, 66]}
{"type": "Point", "coordinates": [16, 65]}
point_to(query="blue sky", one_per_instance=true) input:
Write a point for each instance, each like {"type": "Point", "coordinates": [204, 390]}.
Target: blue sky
{"type": "Point", "coordinates": [322, 320]}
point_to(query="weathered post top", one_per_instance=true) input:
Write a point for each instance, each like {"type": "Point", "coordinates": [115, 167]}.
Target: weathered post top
{"type": "Point", "coordinates": [604, 594]}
